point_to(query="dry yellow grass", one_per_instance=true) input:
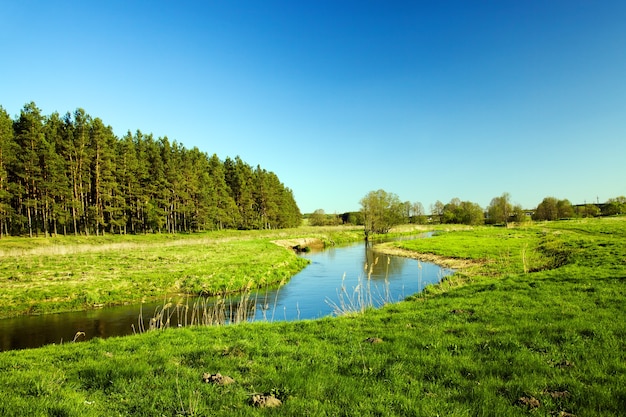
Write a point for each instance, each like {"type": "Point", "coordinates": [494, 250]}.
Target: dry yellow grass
{"type": "Point", "coordinates": [446, 262]}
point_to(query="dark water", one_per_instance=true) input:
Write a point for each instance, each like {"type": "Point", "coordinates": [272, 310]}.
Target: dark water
{"type": "Point", "coordinates": [314, 292]}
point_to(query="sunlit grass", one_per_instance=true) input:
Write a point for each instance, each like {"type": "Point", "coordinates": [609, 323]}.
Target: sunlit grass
{"type": "Point", "coordinates": [546, 340]}
{"type": "Point", "coordinates": [45, 275]}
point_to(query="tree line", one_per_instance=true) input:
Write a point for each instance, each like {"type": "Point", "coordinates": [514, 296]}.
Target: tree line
{"type": "Point", "coordinates": [381, 210]}
{"type": "Point", "coordinates": [71, 175]}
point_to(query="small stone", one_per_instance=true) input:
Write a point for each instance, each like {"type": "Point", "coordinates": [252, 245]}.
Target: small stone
{"type": "Point", "coordinates": [373, 340]}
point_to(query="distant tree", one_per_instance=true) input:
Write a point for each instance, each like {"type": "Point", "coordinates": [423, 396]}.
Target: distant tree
{"type": "Point", "coordinates": [317, 218]}
{"type": "Point", "coordinates": [436, 211]}
{"type": "Point", "coordinates": [519, 214]}
{"type": "Point", "coordinates": [564, 209]}
{"type": "Point", "coordinates": [462, 212]}
{"type": "Point", "coordinates": [553, 209]}
{"type": "Point", "coordinates": [588, 210]}
{"type": "Point", "coordinates": [353, 217]}
{"type": "Point", "coordinates": [406, 211]}
{"type": "Point", "coordinates": [471, 213]}
{"type": "Point", "coordinates": [418, 215]}
{"type": "Point", "coordinates": [547, 209]}
{"type": "Point", "coordinates": [450, 211]}
{"type": "Point", "coordinates": [614, 206]}
{"type": "Point", "coordinates": [500, 209]}
{"type": "Point", "coordinates": [381, 211]}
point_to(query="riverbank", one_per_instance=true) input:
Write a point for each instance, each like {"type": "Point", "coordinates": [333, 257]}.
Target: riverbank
{"type": "Point", "coordinates": [391, 248]}
{"type": "Point", "coordinates": [77, 273]}
{"type": "Point", "coordinates": [536, 331]}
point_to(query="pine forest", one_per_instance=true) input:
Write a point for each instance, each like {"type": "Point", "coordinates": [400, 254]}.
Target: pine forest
{"type": "Point", "coordinates": [71, 175]}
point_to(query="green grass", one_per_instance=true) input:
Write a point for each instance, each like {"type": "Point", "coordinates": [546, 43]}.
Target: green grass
{"type": "Point", "coordinates": [547, 339]}
{"type": "Point", "coordinates": [46, 275]}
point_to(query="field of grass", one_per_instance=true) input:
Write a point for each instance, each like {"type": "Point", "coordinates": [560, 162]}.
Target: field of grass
{"type": "Point", "coordinates": [46, 275]}
{"type": "Point", "coordinates": [536, 328]}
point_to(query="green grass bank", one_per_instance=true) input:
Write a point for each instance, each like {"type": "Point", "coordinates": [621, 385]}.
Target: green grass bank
{"type": "Point", "coordinates": [48, 275]}
{"type": "Point", "coordinates": [533, 326]}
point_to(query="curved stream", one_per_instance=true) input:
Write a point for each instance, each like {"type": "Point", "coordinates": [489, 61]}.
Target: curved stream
{"type": "Point", "coordinates": [336, 278]}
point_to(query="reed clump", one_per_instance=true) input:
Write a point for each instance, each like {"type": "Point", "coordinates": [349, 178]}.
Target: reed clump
{"type": "Point", "coordinates": [210, 311]}
{"type": "Point", "coordinates": [363, 295]}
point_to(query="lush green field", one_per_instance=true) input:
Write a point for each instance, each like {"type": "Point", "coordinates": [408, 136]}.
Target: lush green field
{"type": "Point", "coordinates": [536, 329]}
{"type": "Point", "coordinates": [44, 275]}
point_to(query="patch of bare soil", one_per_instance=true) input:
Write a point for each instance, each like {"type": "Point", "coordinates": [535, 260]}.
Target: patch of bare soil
{"type": "Point", "coordinates": [557, 394]}
{"type": "Point", "coordinates": [265, 401]}
{"type": "Point", "coordinates": [562, 364]}
{"type": "Point", "coordinates": [454, 263]}
{"type": "Point", "coordinates": [301, 243]}
{"type": "Point", "coordinates": [461, 311]}
{"type": "Point", "coordinates": [530, 402]}
{"type": "Point", "coordinates": [217, 379]}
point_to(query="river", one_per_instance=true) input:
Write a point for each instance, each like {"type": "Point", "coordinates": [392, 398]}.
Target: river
{"type": "Point", "coordinates": [338, 278]}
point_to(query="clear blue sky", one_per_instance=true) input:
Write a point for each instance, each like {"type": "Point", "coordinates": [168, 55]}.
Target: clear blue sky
{"type": "Point", "coordinates": [430, 100]}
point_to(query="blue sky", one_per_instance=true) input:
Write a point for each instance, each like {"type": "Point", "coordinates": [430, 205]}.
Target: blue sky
{"type": "Point", "coordinates": [430, 100]}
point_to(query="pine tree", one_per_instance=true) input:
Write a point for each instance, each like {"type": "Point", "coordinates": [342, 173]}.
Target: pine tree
{"type": "Point", "coordinates": [126, 166]}
{"type": "Point", "coordinates": [7, 156]}
{"type": "Point", "coordinates": [156, 186]}
{"type": "Point", "coordinates": [239, 178]}
{"type": "Point", "coordinates": [103, 185]}
{"type": "Point", "coordinates": [71, 174]}
{"type": "Point", "coordinates": [29, 137]}
{"type": "Point", "coordinates": [226, 213]}
{"type": "Point", "coordinates": [76, 153]}
{"type": "Point", "coordinates": [56, 195]}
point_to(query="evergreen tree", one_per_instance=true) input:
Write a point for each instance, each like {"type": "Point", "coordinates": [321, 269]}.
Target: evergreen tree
{"type": "Point", "coordinates": [7, 157]}
{"type": "Point", "coordinates": [71, 174]}
{"type": "Point", "coordinates": [239, 178]}
{"type": "Point", "coordinates": [56, 185]}
{"type": "Point", "coordinates": [289, 214]}
{"type": "Point", "coordinates": [157, 186]}
{"type": "Point", "coordinates": [76, 153]}
{"type": "Point", "coordinates": [126, 176]}
{"type": "Point", "coordinates": [30, 139]}
{"type": "Point", "coordinates": [103, 185]}
{"type": "Point", "coordinates": [140, 195]}
{"type": "Point", "coordinates": [195, 171]}
{"type": "Point", "coordinates": [224, 212]}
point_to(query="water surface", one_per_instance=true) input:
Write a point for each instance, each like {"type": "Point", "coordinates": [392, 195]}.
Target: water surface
{"type": "Point", "coordinates": [333, 279]}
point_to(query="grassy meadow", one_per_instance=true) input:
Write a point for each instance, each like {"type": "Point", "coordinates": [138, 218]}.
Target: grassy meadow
{"type": "Point", "coordinates": [47, 275]}
{"type": "Point", "coordinates": [534, 325]}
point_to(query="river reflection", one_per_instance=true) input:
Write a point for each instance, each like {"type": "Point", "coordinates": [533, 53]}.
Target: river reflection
{"type": "Point", "coordinates": [319, 286]}
{"type": "Point", "coordinates": [309, 294]}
